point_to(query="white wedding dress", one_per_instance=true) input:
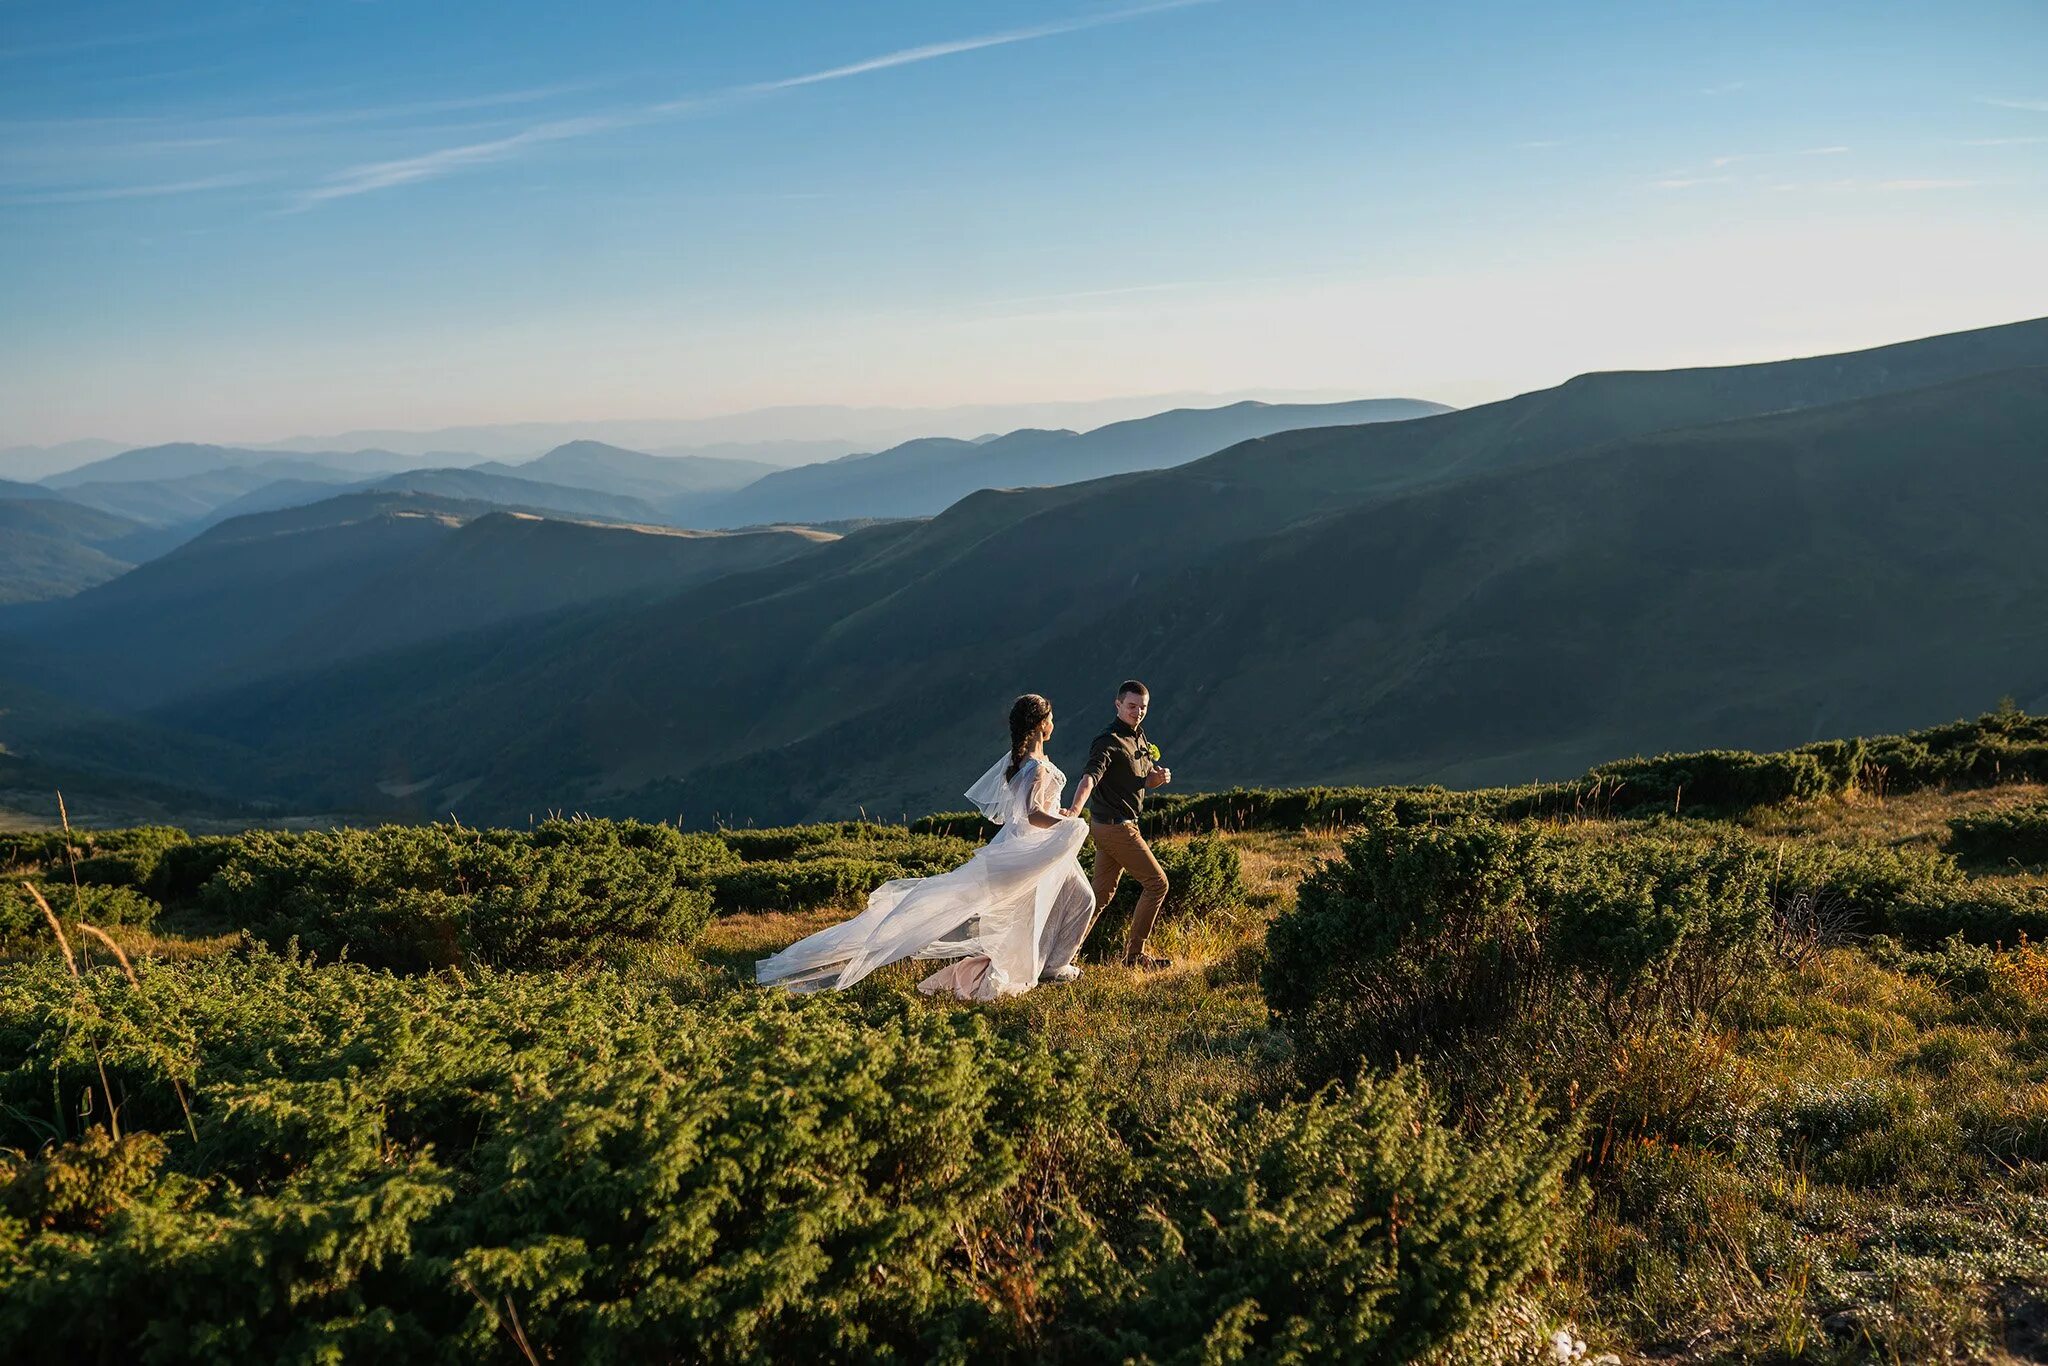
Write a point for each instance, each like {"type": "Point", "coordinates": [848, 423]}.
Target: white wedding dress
{"type": "Point", "coordinates": [1020, 906]}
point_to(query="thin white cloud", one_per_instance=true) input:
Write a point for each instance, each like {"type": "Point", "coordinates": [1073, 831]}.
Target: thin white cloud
{"type": "Point", "coordinates": [1727, 88]}
{"type": "Point", "coordinates": [383, 175]}
{"type": "Point", "coordinates": [1541, 144]}
{"type": "Point", "coordinates": [2004, 142]}
{"type": "Point", "coordinates": [926, 53]}
{"type": "Point", "coordinates": [1820, 151]}
{"type": "Point", "coordinates": [1927, 184]}
{"type": "Point", "coordinates": [97, 194]}
{"type": "Point", "coordinates": [1687, 182]}
{"type": "Point", "coordinates": [2034, 106]}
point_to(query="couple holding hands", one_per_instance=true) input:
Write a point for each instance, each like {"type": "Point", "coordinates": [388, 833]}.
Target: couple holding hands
{"type": "Point", "coordinates": [1016, 913]}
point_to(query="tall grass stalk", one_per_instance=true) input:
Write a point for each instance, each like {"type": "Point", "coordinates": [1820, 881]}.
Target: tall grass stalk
{"type": "Point", "coordinates": [129, 968]}
{"type": "Point", "coordinates": [113, 1115]}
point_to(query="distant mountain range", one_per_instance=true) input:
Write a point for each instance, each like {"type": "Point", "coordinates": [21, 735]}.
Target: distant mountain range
{"type": "Point", "coordinates": [923, 477]}
{"type": "Point", "coordinates": [652, 478]}
{"type": "Point", "coordinates": [1750, 555]}
{"type": "Point", "coordinates": [180, 490]}
{"type": "Point", "coordinates": [353, 576]}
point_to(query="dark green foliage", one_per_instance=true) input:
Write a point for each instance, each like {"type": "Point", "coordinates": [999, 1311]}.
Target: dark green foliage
{"type": "Point", "coordinates": [800, 884]}
{"type": "Point", "coordinates": [1204, 877]}
{"type": "Point", "coordinates": [971, 826]}
{"type": "Point", "coordinates": [391, 1168]}
{"type": "Point", "coordinates": [419, 897]}
{"type": "Point", "coordinates": [1306, 808]}
{"type": "Point", "coordinates": [2018, 834]}
{"type": "Point", "coordinates": [29, 848]}
{"type": "Point", "coordinates": [804, 867]}
{"type": "Point", "coordinates": [1717, 780]}
{"type": "Point", "coordinates": [1354, 1227]}
{"type": "Point", "coordinates": [22, 922]}
{"type": "Point", "coordinates": [184, 869]}
{"type": "Point", "coordinates": [1458, 941]}
{"type": "Point", "coordinates": [128, 858]}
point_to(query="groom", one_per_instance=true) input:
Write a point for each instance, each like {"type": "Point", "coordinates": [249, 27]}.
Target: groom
{"type": "Point", "coordinates": [1120, 770]}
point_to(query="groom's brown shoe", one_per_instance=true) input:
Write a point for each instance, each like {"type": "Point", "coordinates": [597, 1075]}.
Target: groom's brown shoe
{"type": "Point", "coordinates": [1148, 962]}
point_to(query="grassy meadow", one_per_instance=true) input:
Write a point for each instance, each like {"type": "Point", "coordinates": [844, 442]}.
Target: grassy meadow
{"type": "Point", "coordinates": [1705, 1058]}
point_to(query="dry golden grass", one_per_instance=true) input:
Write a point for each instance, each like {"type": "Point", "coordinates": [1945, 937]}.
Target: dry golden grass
{"type": "Point", "coordinates": [1917, 817]}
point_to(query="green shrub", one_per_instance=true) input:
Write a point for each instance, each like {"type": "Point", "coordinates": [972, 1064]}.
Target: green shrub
{"type": "Point", "coordinates": [1204, 877]}
{"type": "Point", "coordinates": [1352, 1227]}
{"type": "Point", "coordinates": [421, 897]}
{"type": "Point", "coordinates": [128, 858]}
{"type": "Point", "coordinates": [392, 1168]}
{"type": "Point", "coordinates": [22, 922]}
{"type": "Point", "coordinates": [805, 867]}
{"type": "Point", "coordinates": [1476, 941]}
{"type": "Point", "coordinates": [971, 826]}
{"type": "Point", "coordinates": [1715, 780]}
{"type": "Point", "coordinates": [30, 848]}
{"type": "Point", "coordinates": [799, 884]}
{"type": "Point", "coordinates": [1301, 808]}
{"type": "Point", "coordinates": [183, 870]}
{"type": "Point", "coordinates": [2017, 834]}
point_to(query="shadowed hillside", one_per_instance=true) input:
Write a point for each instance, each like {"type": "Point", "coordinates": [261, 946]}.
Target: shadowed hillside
{"type": "Point", "coordinates": [51, 548]}
{"type": "Point", "coordinates": [1590, 559]}
{"type": "Point", "coordinates": [305, 587]}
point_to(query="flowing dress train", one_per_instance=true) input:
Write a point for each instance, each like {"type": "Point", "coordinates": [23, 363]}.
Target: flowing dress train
{"type": "Point", "coordinates": [1019, 907]}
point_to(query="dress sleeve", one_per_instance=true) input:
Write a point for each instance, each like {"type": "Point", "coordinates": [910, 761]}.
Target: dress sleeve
{"type": "Point", "coordinates": [1045, 791]}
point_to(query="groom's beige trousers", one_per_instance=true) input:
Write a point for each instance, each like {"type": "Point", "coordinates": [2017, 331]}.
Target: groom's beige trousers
{"type": "Point", "coordinates": [1120, 849]}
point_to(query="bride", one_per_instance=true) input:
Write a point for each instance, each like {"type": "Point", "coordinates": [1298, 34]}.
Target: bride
{"type": "Point", "coordinates": [1010, 916]}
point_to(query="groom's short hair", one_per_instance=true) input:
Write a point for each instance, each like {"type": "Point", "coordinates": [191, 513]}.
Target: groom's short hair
{"type": "Point", "coordinates": [1132, 685]}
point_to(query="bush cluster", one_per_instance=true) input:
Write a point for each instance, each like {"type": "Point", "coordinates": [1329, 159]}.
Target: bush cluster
{"type": "Point", "coordinates": [1475, 941]}
{"type": "Point", "coordinates": [2016, 835]}
{"type": "Point", "coordinates": [2001, 746]}
{"type": "Point", "coordinates": [406, 1168]}
{"type": "Point", "coordinates": [22, 922]}
{"type": "Point", "coordinates": [805, 867]}
{"type": "Point", "coordinates": [421, 897]}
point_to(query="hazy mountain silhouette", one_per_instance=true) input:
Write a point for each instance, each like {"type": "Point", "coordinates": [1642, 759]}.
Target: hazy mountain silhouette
{"type": "Point", "coordinates": [40, 462]}
{"type": "Point", "coordinates": [190, 500]}
{"type": "Point", "coordinates": [923, 477]}
{"type": "Point", "coordinates": [763, 430]}
{"type": "Point", "coordinates": [633, 474]}
{"type": "Point", "coordinates": [183, 459]}
{"type": "Point", "coordinates": [355, 575]}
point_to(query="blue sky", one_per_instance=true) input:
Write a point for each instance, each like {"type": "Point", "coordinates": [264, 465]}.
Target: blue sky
{"type": "Point", "coordinates": [240, 221]}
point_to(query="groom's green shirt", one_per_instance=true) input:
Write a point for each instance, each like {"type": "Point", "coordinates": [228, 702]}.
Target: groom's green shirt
{"type": "Point", "coordinates": [1119, 762]}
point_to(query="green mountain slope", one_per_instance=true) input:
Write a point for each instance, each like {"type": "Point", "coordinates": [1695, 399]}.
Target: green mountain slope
{"type": "Point", "coordinates": [1421, 584]}
{"type": "Point", "coordinates": [306, 587]}
{"type": "Point", "coordinates": [509, 491]}
{"type": "Point", "coordinates": [52, 548]}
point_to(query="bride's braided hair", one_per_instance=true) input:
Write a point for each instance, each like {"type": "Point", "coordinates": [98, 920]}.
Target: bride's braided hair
{"type": "Point", "coordinates": [1027, 713]}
